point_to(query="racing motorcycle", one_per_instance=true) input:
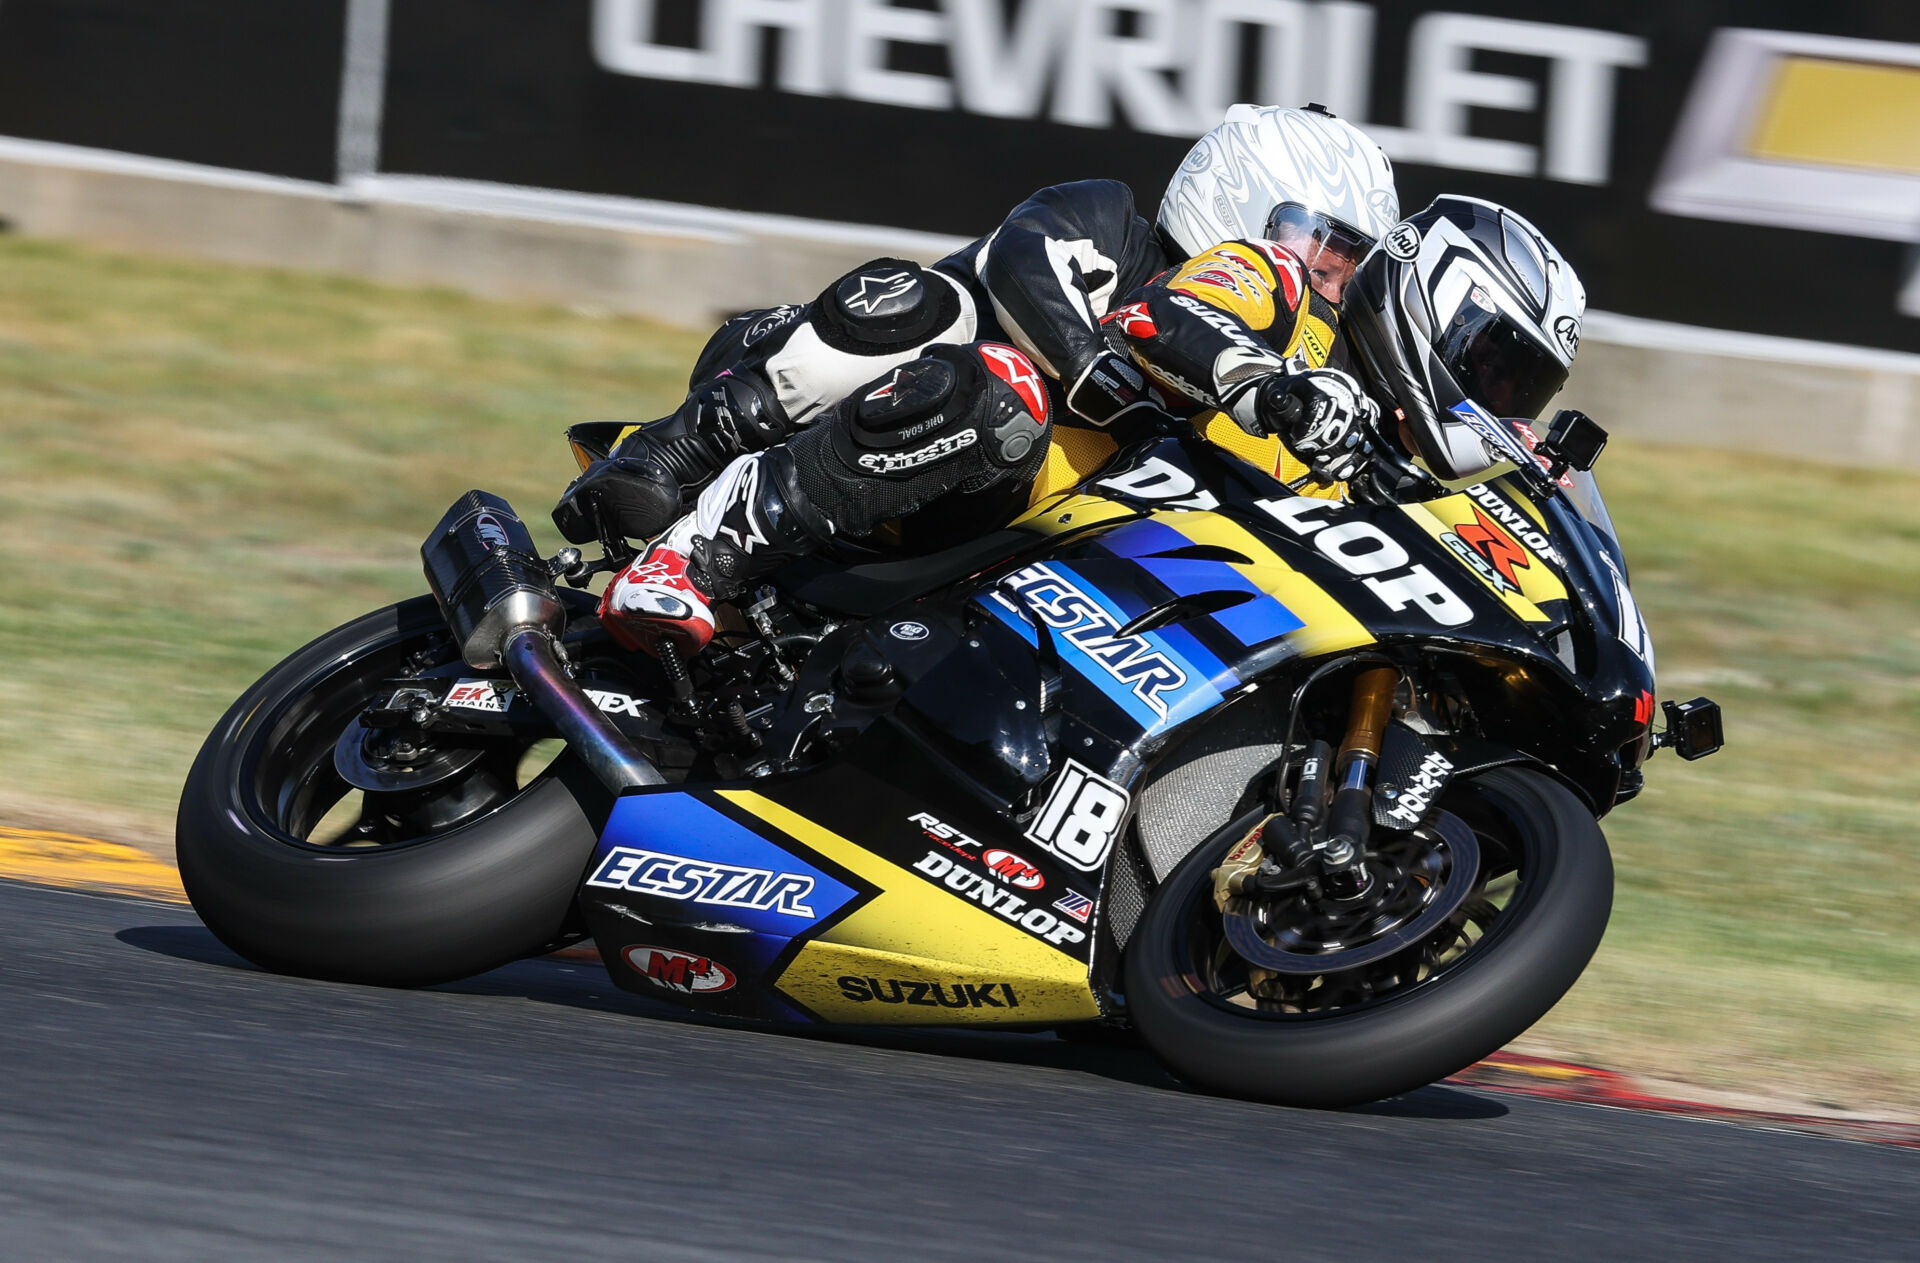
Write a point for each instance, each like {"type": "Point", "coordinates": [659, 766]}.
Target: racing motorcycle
{"type": "Point", "coordinates": [1304, 792]}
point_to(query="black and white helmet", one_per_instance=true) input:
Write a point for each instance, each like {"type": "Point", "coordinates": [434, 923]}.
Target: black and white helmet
{"type": "Point", "coordinates": [1463, 301]}
{"type": "Point", "coordinates": [1261, 161]}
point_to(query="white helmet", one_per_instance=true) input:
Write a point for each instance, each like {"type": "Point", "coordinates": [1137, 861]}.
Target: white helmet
{"type": "Point", "coordinates": [1465, 301]}
{"type": "Point", "coordinates": [1240, 176]}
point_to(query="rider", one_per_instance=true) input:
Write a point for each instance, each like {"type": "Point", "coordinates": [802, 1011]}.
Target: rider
{"type": "Point", "coordinates": [874, 400]}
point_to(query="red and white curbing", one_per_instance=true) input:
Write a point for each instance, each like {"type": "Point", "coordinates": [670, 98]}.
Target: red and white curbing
{"type": "Point", "coordinates": [1587, 1085]}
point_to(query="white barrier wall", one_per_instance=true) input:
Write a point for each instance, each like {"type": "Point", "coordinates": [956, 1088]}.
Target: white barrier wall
{"type": "Point", "coordinates": [690, 266]}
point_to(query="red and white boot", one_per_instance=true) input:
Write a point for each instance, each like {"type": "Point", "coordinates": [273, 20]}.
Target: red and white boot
{"type": "Point", "coordinates": [656, 597]}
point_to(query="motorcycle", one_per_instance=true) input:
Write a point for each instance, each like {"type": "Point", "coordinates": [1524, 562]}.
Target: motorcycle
{"type": "Point", "coordinates": [1303, 792]}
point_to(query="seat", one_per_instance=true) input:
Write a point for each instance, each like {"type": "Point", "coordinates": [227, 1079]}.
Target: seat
{"type": "Point", "coordinates": [865, 588]}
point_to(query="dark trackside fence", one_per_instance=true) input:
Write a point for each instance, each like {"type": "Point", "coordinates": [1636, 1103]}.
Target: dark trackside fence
{"type": "Point", "coordinates": [1742, 164]}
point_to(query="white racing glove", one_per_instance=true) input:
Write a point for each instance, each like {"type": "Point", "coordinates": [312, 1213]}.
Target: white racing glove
{"type": "Point", "coordinates": [1324, 418]}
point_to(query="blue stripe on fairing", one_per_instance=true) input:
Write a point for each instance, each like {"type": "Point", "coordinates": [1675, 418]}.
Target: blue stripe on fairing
{"type": "Point", "coordinates": [1194, 694]}
{"type": "Point", "coordinates": [1252, 622]}
{"type": "Point", "coordinates": [1188, 646]}
{"type": "Point", "coordinates": [680, 825]}
{"type": "Point", "coordinates": [1142, 538]}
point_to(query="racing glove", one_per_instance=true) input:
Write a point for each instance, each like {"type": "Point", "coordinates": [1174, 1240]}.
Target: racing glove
{"type": "Point", "coordinates": [1324, 418]}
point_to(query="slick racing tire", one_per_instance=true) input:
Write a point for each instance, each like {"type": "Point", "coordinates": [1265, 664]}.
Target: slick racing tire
{"type": "Point", "coordinates": [497, 884]}
{"type": "Point", "coordinates": [1397, 1026]}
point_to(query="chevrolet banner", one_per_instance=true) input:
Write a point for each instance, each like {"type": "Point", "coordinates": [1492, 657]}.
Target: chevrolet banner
{"type": "Point", "coordinates": [1751, 165]}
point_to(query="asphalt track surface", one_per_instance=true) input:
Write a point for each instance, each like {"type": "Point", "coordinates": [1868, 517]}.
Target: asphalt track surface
{"type": "Point", "coordinates": [160, 1099]}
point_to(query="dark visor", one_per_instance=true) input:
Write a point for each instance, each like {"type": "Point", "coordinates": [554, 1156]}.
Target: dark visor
{"type": "Point", "coordinates": [1497, 365]}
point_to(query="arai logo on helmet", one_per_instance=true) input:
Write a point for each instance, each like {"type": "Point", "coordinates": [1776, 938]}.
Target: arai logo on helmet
{"type": "Point", "coordinates": [909, 630]}
{"type": "Point", "coordinates": [1403, 242]}
{"type": "Point", "coordinates": [1567, 329]}
{"type": "Point", "coordinates": [679, 971]}
{"type": "Point", "coordinates": [491, 533]}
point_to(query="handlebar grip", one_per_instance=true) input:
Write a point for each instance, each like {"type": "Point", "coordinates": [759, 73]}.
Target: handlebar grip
{"type": "Point", "coordinates": [1283, 415]}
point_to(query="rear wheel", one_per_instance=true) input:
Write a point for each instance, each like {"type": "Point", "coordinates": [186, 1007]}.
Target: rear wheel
{"type": "Point", "coordinates": [299, 872]}
{"type": "Point", "coordinates": [1541, 891]}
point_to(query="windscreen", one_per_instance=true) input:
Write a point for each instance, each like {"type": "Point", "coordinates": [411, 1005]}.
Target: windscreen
{"type": "Point", "coordinates": [1585, 495]}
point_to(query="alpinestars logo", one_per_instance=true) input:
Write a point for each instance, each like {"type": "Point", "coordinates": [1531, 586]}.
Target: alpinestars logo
{"type": "Point", "coordinates": [1135, 321]}
{"type": "Point", "coordinates": [1017, 371]}
{"type": "Point", "coordinates": [1086, 624]}
{"type": "Point", "coordinates": [875, 290]}
{"type": "Point", "coordinates": [940, 448]}
{"type": "Point", "coordinates": [743, 495]}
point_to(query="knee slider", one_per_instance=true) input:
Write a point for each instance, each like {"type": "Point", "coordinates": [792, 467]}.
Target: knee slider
{"type": "Point", "coordinates": [883, 307]}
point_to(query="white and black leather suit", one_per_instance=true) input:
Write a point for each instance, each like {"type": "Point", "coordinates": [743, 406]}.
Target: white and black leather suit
{"type": "Point", "coordinates": [893, 389]}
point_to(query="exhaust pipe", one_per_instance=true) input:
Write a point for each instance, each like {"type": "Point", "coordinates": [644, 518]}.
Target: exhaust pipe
{"type": "Point", "coordinates": [498, 598]}
{"type": "Point", "coordinates": [601, 746]}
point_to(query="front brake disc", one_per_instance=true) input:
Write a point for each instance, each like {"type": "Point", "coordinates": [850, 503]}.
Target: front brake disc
{"type": "Point", "coordinates": [1441, 900]}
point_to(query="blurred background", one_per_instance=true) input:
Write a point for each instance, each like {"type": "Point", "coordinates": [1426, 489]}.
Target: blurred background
{"type": "Point", "coordinates": [280, 280]}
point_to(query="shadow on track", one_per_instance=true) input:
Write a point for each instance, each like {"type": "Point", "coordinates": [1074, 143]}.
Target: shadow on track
{"type": "Point", "coordinates": [1113, 1055]}
{"type": "Point", "coordinates": [194, 943]}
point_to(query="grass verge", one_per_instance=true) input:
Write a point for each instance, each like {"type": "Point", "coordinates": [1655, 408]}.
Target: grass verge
{"type": "Point", "coordinates": [201, 467]}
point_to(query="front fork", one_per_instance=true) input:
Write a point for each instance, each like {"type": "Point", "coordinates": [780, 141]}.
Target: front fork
{"type": "Point", "coordinates": [1292, 846]}
{"type": "Point", "coordinates": [1343, 858]}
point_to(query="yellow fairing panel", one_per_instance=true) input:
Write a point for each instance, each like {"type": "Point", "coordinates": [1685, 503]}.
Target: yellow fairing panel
{"type": "Point", "coordinates": [1329, 627]}
{"type": "Point", "coordinates": [954, 960]}
{"type": "Point", "coordinates": [1072, 456]}
{"type": "Point", "coordinates": [1512, 571]}
{"type": "Point", "coordinates": [1269, 454]}
{"type": "Point", "coordinates": [1069, 513]}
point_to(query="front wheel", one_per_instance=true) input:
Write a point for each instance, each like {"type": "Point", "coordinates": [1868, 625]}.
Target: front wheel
{"type": "Point", "coordinates": [1540, 898]}
{"type": "Point", "coordinates": [292, 868]}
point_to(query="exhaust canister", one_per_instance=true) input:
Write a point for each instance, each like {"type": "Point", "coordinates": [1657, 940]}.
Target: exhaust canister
{"type": "Point", "coordinates": [489, 579]}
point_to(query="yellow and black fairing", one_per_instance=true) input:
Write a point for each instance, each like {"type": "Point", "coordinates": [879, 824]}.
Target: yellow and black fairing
{"type": "Point", "coordinates": [1527, 600]}
{"type": "Point", "coordinates": [852, 893]}
{"type": "Point", "coordinates": [914, 875]}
